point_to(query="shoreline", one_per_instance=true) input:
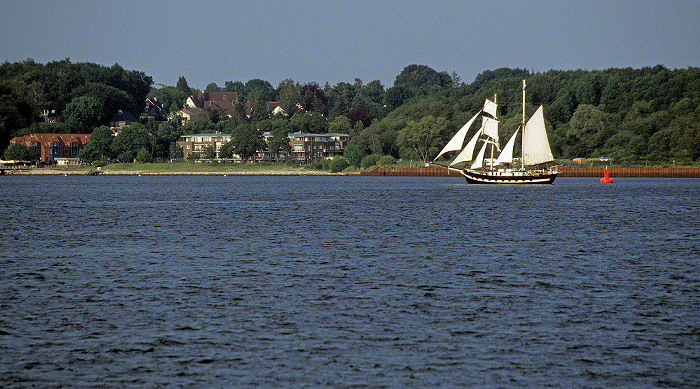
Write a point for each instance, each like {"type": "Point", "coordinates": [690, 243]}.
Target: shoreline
{"type": "Point", "coordinates": [383, 171]}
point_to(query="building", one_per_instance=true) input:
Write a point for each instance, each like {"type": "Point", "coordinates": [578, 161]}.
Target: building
{"type": "Point", "coordinates": [154, 109]}
{"type": "Point", "coordinates": [187, 113]}
{"type": "Point", "coordinates": [50, 112]}
{"type": "Point", "coordinates": [197, 143]}
{"type": "Point", "coordinates": [121, 119]}
{"type": "Point", "coordinates": [54, 146]}
{"type": "Point", "coordinates": [226, 102]}
{"type": "Point", "coordinates": [307, 147]}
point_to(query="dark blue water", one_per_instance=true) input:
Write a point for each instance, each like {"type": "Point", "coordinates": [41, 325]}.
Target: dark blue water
{"type": "Point", "coordinates": [348, 282]}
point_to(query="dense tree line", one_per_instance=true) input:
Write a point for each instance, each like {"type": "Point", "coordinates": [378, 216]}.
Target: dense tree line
{"type": "Point", "coordinates": [632, 115]}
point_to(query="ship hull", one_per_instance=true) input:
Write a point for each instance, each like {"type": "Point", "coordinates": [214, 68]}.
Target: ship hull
{"type": "Point", "coordinates": [521, 178]}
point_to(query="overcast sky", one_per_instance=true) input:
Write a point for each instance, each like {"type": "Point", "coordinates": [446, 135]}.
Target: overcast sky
{"type": "Point", "coordinates": [334, 41]}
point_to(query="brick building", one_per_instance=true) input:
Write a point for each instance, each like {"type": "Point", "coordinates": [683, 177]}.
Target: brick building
{"type": "Point", "coordinates": [197, 143]}
{"type": "Point", "coordinates": [306, 147]}
{"type": "Point", "coordinates": [53, 146]}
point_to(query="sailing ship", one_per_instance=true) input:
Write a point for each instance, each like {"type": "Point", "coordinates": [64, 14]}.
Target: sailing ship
{"type": "Point", "coordinates": [536, 153]}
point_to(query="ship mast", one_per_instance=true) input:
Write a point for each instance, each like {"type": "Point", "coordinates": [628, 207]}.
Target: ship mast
{"type": "Point", "coordinates": [522, 148]}
{"type": "Point", "coordinates": [495, 117]}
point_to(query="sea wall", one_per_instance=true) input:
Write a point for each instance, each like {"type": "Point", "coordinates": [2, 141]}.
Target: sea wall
{"type": "Point", "coordinates": [565, 172]}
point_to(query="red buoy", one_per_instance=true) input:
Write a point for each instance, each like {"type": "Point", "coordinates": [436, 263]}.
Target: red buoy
{"type": "Point", "coordinates": [606, 176]}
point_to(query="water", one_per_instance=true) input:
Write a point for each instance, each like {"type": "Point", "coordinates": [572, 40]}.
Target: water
{"type": "Point", "coordinates": [348, 282]}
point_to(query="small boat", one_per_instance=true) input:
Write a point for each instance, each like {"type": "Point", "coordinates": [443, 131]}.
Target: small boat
{"type": "Point", "coordinates": [536, 153]}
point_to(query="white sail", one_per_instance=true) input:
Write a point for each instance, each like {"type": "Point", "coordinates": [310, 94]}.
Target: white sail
{"type": "Point", "coordinates": [535, 143]}
{"type": "Point", "coordinates": [458, 140]}
{"type": "Point", "coordinates": [479, 161]}
{"type": "Point", "coordinates": [507, 153]}
{"type": "Point", "coordinates": [490, 107]}
{"type": "Point", "coordinates": [490, 127]}
{"type": "Point", "coordinates": [468, 152]}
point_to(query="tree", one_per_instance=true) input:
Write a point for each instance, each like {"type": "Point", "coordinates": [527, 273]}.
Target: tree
{"type": "Point", "coordinates": [183, 87]}
{"type": "Point", "coordinates": [246, 141]}
{"type": "Point", "coordinates": [313, 98]}
{"type": "Point", "coordinates": [16, 152]}
{"type": "Point", "coordinates": [264, 90]}
{"type": "Point", "coordinates": [33, 153]}
{"type": "Point", "coordinates": [260, 111]}
{"type": "Point", "coordinates": [340, 125]}
{"type": "Point", "coordinates": [166, 136]}
{"type": "Point", "coordinates": [354, 154]}
{"type": "Point", "coordinates": [110, 98]}
{"type": "Point", "coordinates": [279, 142]}
{"type": "Point", "coordinates": [99, 145]}
{"type": "Point", "coordinates": [129, 142]}
{"type": "Point", "coordinates": [289, 97]}
{"type": "Point", "coordinates": [423, 79]}
{"type": "Point", "coordinates": [209, 152]}
{"type": "Point", "coordinates": [143, 156]}
{"type": "Point", "coordinates": [312, 122]}
{"type": "Point", "coordinates": [587, 125]}
{"type": "Point", "coordinates": [212, 87]}
{"type": "Point", "coordinates": [171, 97]}
{"type": "Point", "coordinates": [341, 106]}
{"type": "Point", "coordinates": [176, 151]}
{"type": "Point", "coordinates": [83, 113]}
{"type": "Point", "coordinates": [424, 137]}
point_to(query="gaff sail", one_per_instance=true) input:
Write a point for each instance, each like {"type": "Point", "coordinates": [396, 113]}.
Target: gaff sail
{"type": "Point", "coordinates": [507, 153]}
{"type": "Point", "coordinates": [458, 140]}
{"type": "Point", "coordinates": [535, 142]}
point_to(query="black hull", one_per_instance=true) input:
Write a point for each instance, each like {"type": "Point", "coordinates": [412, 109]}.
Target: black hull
{"type": "Point", "coordinates": [522, 178]}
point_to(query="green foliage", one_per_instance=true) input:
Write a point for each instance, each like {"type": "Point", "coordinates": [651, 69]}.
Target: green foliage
{"type": "Point", "coordinates": [280, 141]}
{"type": "Point", "coordinates": [171, 97]}
{"type": "Point", "coordinates": [425, 137]}
{"type": "Point", "coordinates": [338, 164]}
{"type": "Point", "coordinates": [246, 141]}
{"type": "Point", "coordinates": [26, 87]}
{"type": "Point", "coordinates": [99, 146]}
{"type": "Point", "coordinates": [309, 122]}
{"type": "Point", "coordinates": [143, 155]}
{"type": "Point", "coordinates": [646, 114]}
{"type": "Point", "coordinates": [209, 152]}
{"type": "Point", "coordinates": [354, 154]}
{"type": "Point", "coordinates": [339, 125]}
{"type": "Point", "coordinates": [370, 160]}
{"type": "Point", "coordinates": [83, 113]}
{"type": "Point", "coordinates": [17, 152]}
{"type": "Point", "coordinates": [386, 160]}
{"type": "Point", "coordinates": [129, 142]}
{"type": "Point", "coordinates": [183, 87]}
{"type": "Point", "coordinates": [176, 151]}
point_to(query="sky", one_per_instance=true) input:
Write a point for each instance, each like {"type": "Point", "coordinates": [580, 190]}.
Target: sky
{"type": "Point", "coordinates": [339, 41]}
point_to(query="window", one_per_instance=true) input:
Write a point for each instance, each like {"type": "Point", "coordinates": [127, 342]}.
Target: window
{"type": "Point", "coordinates": [54, 150]}
{"type": "Point", "coordinates": [73, 149]}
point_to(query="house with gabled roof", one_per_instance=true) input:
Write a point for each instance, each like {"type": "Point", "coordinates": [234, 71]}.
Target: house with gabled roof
{"type": "Point", "coordinates": [154, 109]}
{"type": "Point", "coordinates": [121, 119]}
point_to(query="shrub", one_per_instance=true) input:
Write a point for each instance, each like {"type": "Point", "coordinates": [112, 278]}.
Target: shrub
{"type": "Point", "coordinates": [387, 160]}
{"type": "Point", "coordinates": [339, 164]}
{"type": "Point", "coordinates": [370, 160]}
